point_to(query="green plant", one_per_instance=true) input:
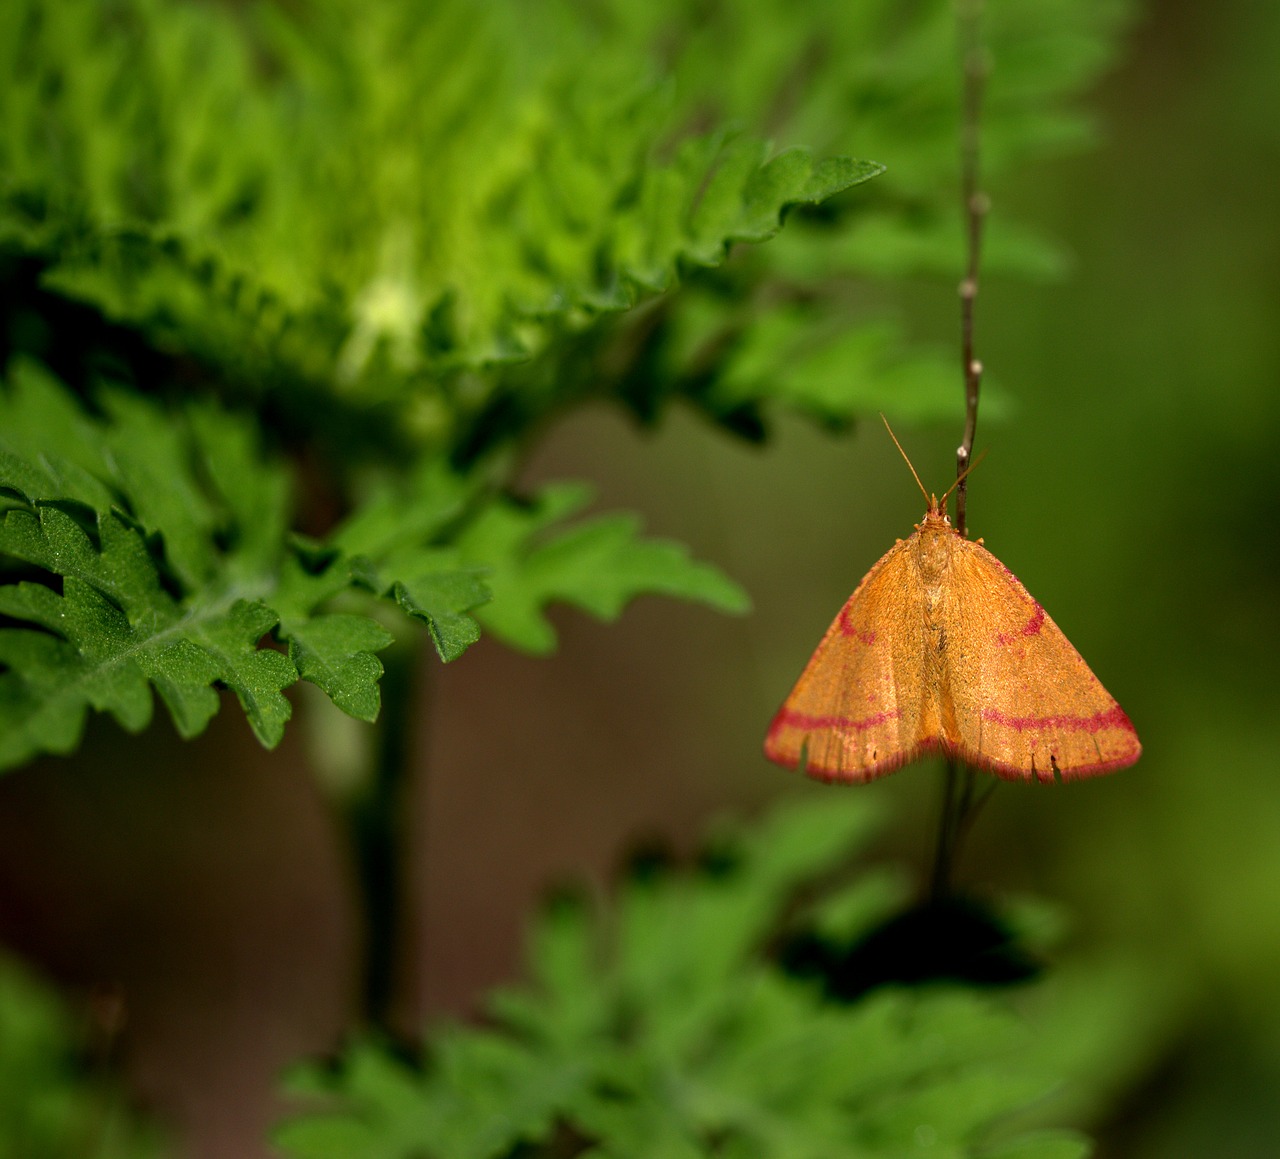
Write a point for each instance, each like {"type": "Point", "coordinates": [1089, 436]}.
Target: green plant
{"type": "Point", "coordinates": [437, 273]}
{"type": "Point", "coordinates": [291, 291]}
{"type": "Point", "coordinates": [54, 1099]}
{"type": "Point", "coordinates": [665, 1025]}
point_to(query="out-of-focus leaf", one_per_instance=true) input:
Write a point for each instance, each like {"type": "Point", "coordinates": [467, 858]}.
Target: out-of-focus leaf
{"type": "Point", "coordinates": [598, 565]}
{"type": "Point", "coordinates": [51, 1106]}
{"type": "Point", "coordinates": [661, 1027]}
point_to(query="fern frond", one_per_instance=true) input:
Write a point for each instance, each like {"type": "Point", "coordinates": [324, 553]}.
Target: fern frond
{"type": "Point", "coordinates": [598, 565]}
{"type": "Point", "coordinates": [418, 226]}
{"type": "Point", "coordinates": [149, 548]}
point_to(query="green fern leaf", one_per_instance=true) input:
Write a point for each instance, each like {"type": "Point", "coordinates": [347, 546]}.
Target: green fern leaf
{"type": "Point", "coordinates": [394, 541]}
{"type": "Point", "coordinates": [113, 630]}
{"type": "Point", "coordinates": [152, 557]}
{"type": "Point", "coordinates": [151, 552]}
{"type": "Point", "coordinates": [381, 238]}
{"type": "Point", "coordinates": [442, 600]}
{"type": "Point", "coordinates": [598, 565]}
{"type": "Point", "coordinates": [748, 193]}
{"type": "Point", "coordinates": [539, 181]}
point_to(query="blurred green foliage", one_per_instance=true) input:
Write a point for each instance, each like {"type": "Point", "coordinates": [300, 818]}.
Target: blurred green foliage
{"type": "Point", "coordinates": [1156, 374]}
{"type": "Point", "coordinates": [443, 211]}
{"type": "Point", "coordinates": [52, 1103]}
{"type": "Point", "coordinates": [660, 1025]}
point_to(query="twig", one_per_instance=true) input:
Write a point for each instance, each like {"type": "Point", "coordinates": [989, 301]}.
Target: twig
{"type": "Point", "coordinates": [940, 881]}
{"type": "Point", "coordinates": [958, 804]}
{"type": "Point", "coordinates": [973, 65]}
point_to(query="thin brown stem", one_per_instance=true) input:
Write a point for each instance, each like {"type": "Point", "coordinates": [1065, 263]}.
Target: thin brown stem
{"type": "Point", "coordinates": [973, 65]}
{"type": "Point", "coordinates": [940, 882]}
{"type": "Point", "coordinates": [972, 803]}
{"type": "Point", "coordinates": [959, 806]}
{"type": "Point", "coordinates": [962, 801]}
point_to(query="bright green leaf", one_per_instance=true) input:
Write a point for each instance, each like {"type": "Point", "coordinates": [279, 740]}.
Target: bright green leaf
{"type": "Point", "coordinates": [335, 652]}
{"type": "Point", "coordinates": [441, 601]}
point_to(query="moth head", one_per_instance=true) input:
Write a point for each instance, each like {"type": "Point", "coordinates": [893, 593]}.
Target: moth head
{"type": "Point", "coordinates": [937, 508]}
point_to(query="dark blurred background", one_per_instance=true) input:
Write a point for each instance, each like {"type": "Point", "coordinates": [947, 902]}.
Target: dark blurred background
{"type": "Point", "coordinates": [1130, 485]}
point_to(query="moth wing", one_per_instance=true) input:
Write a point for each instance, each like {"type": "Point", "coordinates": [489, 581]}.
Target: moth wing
{"type": "Point", "coordinates": [852, 714]}
{"type": "Point", "coordinates": [1026, 705]}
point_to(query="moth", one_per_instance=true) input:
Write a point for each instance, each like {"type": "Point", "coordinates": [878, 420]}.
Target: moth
{"type": "Point", "coordinates": [940, 649]}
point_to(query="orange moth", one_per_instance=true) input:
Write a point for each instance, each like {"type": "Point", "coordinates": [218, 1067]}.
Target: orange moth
{"type": "Point", "coordinates": [941, 650]}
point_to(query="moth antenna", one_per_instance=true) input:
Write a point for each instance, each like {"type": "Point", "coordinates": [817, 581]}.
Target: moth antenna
{"type": "Point", "coordinates": [960, 478]}
{"type": "Point", "coordinates": [927, 497]}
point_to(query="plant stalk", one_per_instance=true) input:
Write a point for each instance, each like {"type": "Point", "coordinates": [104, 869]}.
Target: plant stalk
{"type": "Point", "coordinates": [958, 804]}
{"type": "Point", "coordinates": [378, 835]}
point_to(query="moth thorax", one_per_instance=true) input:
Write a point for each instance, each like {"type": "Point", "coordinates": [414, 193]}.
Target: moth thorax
{"type": "Point", "coordinates": [933, 551]}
